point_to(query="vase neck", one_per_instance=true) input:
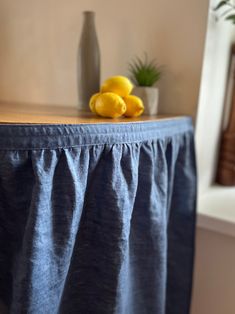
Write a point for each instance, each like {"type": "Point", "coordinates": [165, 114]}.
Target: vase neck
{"type": "Point", "coordinates": [89, 18]}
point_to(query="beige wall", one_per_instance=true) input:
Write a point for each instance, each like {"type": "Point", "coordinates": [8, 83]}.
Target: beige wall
{"type": "Point", "coordinates": [39, 42]}
{"type": "Point", "coordinates": [214, 280]}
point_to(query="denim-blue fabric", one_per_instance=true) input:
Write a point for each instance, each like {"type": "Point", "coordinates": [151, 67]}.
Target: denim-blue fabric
{"type": "Point", "coordinates": [97, 218]}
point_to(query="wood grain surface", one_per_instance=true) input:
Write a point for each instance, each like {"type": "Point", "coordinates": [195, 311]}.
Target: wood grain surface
{"type": "Point", "coordinates": [46, 114]}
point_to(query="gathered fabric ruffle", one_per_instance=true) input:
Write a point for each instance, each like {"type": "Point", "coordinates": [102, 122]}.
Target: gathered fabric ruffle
{"type": "Point", "coordinates": [97, 218]}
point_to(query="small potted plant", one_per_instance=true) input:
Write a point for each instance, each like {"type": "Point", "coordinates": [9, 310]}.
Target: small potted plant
{"type": "Point", "coordinates": [145, 74]}
{"type": "Point", "coordinates": [226, 8]}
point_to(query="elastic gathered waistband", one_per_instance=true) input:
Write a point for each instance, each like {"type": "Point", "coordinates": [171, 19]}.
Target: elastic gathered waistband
{"type": "Point", "coordinates": [47, 136]}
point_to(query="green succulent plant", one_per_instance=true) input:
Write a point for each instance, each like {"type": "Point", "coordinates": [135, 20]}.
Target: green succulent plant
{"type": "Point", "coordinates": [144, 72]}
{"type": "Point", "coordinates": [228, 10]}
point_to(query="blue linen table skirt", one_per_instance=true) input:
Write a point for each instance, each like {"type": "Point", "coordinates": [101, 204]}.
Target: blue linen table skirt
{"type": "Point", "coordinates": [97, 218]}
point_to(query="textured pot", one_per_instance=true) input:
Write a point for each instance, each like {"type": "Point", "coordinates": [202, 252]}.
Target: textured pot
{"type": "Point", "coordinates": [88, 62]}
{"type": "Point", "coordinates": [149, 96]}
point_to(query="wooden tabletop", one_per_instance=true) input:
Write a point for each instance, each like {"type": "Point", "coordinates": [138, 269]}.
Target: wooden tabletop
{"type": "Point", "coordinates": [48, 114]}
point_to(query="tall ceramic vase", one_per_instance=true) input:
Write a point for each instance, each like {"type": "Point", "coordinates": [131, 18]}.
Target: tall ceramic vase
{"type": "Point", "coordinates": [88, 61]}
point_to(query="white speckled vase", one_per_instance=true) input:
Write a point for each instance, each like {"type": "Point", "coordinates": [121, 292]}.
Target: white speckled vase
{"type": "Point", "coordinates": [149, 96]}
{"type": "Point", "coordinates": [88, 62]}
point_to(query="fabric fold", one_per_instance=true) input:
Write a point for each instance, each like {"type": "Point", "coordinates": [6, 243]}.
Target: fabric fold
{"type": "Point", "coordinates": [97, 219]}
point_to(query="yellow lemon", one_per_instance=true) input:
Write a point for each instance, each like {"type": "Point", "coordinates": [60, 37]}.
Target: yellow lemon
{"type": "Point", "coordinates": [120, 85]}
{"type": "Point", "coordinates": [110, 105]}
{"type": "Point", "coordinates": [134, 106]}
{"type": "Point", "coordinates": [92, 102]}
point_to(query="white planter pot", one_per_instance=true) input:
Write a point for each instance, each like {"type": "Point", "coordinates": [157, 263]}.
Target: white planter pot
{"type": "Point", "coordinates": [149, 96]}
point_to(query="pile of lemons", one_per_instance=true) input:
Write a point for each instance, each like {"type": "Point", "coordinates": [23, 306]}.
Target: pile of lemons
{"type": "Point", "coordinates": [114, 99]}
